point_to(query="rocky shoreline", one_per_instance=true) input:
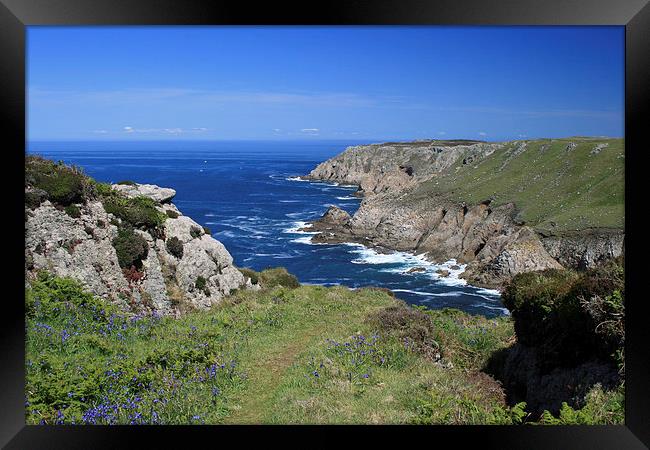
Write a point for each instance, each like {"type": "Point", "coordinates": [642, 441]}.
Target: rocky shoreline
{"type": "Point", "coordinates": [491, 239]}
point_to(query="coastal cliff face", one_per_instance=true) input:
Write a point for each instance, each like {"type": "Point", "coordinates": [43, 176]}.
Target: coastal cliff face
{"type": "Point", "coordinates": [79, 242]}
{"type": "Point", "coordinates": [410, 204]}
{"type": "Point", "coordinates": [380, 168]}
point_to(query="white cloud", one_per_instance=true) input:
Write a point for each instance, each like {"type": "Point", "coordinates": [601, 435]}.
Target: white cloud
{"type": "Point", "coordinates": [100, 131]}
{"type": "Point", "coordinates": [442, 133]}
{"type": "Point", "coordinates": [310, 130]}
{"type": "Point", "coordinates": [128, 129]}
{"type": "Point", "coordinates": [482, 133]}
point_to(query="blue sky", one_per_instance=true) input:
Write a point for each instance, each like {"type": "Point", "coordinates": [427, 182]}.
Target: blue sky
{"type": "Point", "coordinates": [349, 83]}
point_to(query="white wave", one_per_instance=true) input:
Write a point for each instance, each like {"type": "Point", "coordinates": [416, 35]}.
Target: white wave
{"type": "Point", "coordinates": [296, 228]}
{"type": "Point", "coordinates": [210, 215]}
{"type": "Point", "coordinates": [430, 294]}
{"type": "Point", "coordinates": [295, 179]}
{"type": "Point", "coordinates": [348, 197]}
{"type": "Point", "coordinates": [303, 240]}
{"type": "Point", "coordinates": [229, 234]}
{"type": "Point", "coordinates": [289, 201]}
{"type": "Point", "coordinates": [484, 291]}
{"type": "Point", "coordinates": [402, 262]}
{"type": "Point", "coordinates": [296, 214]}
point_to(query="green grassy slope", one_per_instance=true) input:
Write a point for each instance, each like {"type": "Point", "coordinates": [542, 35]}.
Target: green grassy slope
{"type": "Point", "coordinates": [252, 360]}
{"type": "Point", "coordinates": [556, 190]}
{"type": "Point", "coordinates": [309, 354]}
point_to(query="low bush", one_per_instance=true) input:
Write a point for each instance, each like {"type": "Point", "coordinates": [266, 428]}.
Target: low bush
{"type": "Point", "coordinates": [200, 282]}
{"type": "Point", "coordinates": [63, 184]}
{"type": "Point", "coordinates": [207, 230]}
{"type": "Point", "coordinates": [411, 326]}
{"type": "Point", "coordinates": [278, 276]}
{"type": "Point", "coordinates": [171, 214]}
{"type": "Point", "coordinates": [127, 183]}
{"type": "Point", "coordinates": [131, 248]}
{"type": "Point", "coordinates": [139, 211]}
{"type": "Point", "coordinates": [175, 246]}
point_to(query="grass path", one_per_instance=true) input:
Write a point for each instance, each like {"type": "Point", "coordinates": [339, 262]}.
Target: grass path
{"type": "Point", "coordinates": [266, 367]}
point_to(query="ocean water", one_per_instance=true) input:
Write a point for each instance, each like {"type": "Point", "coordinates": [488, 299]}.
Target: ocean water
{"type": "Point", "coordinates": [248, 194]}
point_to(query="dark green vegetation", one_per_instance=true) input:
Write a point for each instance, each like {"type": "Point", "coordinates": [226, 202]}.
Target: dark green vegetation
{"type": "Point", "coordinates": [570, 317]}
{"type": "Point", "coordinates": [572, 187]}
{"type": "Point", "coordinates": [171, 214]}
{"type": "Point", "coordinates": [271, 277]}
{"type": "Point", "coordinates": [139, 212]}
{"type": "Point", "coordinates": [175, 246]}
{"type": "Point", "coordinates": [55, 181]}
{"type": "Point", "coordinates": [305, 354]}
{"type": "Point", "coordinates": [131, 248]}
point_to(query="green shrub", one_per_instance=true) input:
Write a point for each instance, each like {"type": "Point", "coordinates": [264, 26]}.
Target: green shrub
{"type": "Point", "coordinates": [569, 317]}
{"type": "Point", "coordinates": [202, 285]}
{"type": "Point", "coordinates": [195, 231]}
{"type": "Point", "coordinates": [127, 183]}
{"type": "Point", "coordinates": [200, 282]}
{"type": "Point", "coordinates": [278, 276]}
{"type": "Point", "coordinates": [138, 211]}
{"type": "Point", "coordinates": [254, 276]}
{"type": "Point", "coordinates": [131, 248]}
{"type": "Point", "coordinates": [175, 246]}
{"type": "Point", "coordinates": [63, 184]}
{"type": "Point", "coordinates": [73, 211]}
{"type": "Point", "coordinates": [207, 230]}
{"type": "Point", "coordinates": [171, 214]}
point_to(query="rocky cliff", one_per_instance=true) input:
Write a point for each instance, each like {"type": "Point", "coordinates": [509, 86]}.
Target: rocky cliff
{"type": "Point", "coordinates": [84, 241]}
{"type": "Point", "coordinates": [414, 201]}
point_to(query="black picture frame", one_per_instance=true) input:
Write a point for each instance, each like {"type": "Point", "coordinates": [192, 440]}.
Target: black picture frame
{"type": "Point", "coordinates": [15, 15]}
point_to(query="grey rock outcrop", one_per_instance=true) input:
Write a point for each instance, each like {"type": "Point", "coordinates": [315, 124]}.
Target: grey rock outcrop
{"type": "Point", "coordinates": [387, 167]}
{"type": "Point", "coordinates": [82, 248]}
{"type": "Point", "coordinates": [156, 193]}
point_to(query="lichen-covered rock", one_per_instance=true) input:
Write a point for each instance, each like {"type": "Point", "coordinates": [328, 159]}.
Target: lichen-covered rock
{"type": "Point", "coordinates": [82, 248]}
{"type": "Point", "coordinates": [79, 248]}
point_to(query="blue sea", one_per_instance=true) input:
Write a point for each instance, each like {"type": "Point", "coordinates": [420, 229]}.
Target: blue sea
{"type": "Point", "coordinates": [249, 195]}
